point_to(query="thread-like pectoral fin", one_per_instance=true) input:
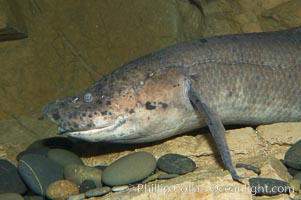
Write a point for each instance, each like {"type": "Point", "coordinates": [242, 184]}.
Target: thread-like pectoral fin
{"type": "Point", "coordinates": [217, 130]}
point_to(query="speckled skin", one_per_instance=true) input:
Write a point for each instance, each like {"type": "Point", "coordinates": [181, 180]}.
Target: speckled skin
{"type": "Point", "coordinates": [244, 79]}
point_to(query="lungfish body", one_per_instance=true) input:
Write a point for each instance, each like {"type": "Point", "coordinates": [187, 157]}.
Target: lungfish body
{"type": "Point", "coordinates": [234, 79]}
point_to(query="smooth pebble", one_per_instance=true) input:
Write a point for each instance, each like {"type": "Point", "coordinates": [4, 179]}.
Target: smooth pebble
{"type": "Point", "coordinates": [292, 157]}
{"type": "Point", "coordinates": [97, 192]}
{"type": "Point", "coordinates": [43, 151]}
{"type": "Point", "coordinates": [10, 196]}
{"type": "Point", "coordinates": [248, 167]}
{"type": "Point", "coordinates": [61, 189]}
{"type": "Point", "coordinates": [120, 188]}
{"type": "Point", "coordinates": [31, 197]}
{"type": "Point", "coordinates": [79, 173]}
{"type": "Point", "coordinates": [167, 176]}
{"type": "Point", "coordinates": [129, 169]}
{"type": "Point", "coordinates": [64, 157]}
{"type": "Point", "coordinates": [10, 182]}
{"type": "Point", "coordinates": [153, 176]}
{"type": "Point", "coordinates": [86, 185]}
{"type": "Point", "coordinates": [268, 186]}
{"type": "Point", "coordinates": [38, 172]}
{"type": "Point", "coordinates": [176, 164]}
{"type": "Point", "coordinates": [80, 196]}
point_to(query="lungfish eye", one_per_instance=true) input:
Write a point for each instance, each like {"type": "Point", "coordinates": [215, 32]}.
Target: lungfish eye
{"type": "Point", "coordinates": [88, 97]}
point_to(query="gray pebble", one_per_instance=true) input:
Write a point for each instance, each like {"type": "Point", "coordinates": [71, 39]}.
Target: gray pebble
{"type": "Point", "coordinates": [86, 185]}
{"type": "Point", "coordinates": [292, 171]}
{"type": "Point", "coordinates": [120, 188]}
{"type": "Point", "coordinates": [30, 197]}
{"type": "Point", "coordinates": [64, 157]}
{"type": "Point", "coordinates": [77, 197]}
{"type": "Point", "coordinates": [297, 176]}
{"type": "Point", "coordinates": [248, 167]}
{"type": "Point", "coordinates": [176, 164]}
{"type": "Point", "coordinates": [38, 172]}
{"type": "Point", "coordinates": [167, 176]}
{"type": "Point", "coordinates": [10, 182]}
{"type": "Point", "coordinates": [79, 173]}
{"type": "Point", "coordinates": [129, 169]}
{"type": "Point", "coordinates": [153, 176]}
{"type": "Point", "coordinates": [97, 192]}
{"type": "Point", "coordinates": [10, 196]}
{"type": "Point", "coordinates": [268, 186]}
{"type": "Point", "coordinates": [292, 157]}
{"type": "Point", "coordinates": [43, 151]}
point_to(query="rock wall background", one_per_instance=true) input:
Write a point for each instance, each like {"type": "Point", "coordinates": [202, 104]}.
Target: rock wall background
{"type": "Point", "coordinates": [72, 43]}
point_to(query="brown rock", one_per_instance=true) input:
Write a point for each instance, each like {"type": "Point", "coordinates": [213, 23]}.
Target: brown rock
{"type": "Point", "coordinates": [280, 133]}
{"type": "Point", "coordinates": [60, 190]}
{"type": "Point", "coordinates": [273, 168]}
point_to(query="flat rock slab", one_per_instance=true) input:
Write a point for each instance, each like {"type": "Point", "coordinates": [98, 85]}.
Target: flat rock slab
{"type": "Point", "coordinates": [12, 26]}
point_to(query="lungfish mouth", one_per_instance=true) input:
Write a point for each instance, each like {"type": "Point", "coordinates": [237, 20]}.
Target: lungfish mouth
{"type": "Point", "coordinates": [91, 132]}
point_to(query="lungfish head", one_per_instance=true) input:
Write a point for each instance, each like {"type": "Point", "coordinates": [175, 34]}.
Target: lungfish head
{"type": "Point", "coordinates": [130, 105]}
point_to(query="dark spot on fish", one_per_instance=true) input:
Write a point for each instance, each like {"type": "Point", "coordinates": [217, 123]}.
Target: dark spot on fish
{"type": "Point", "coordinates": [229, 93]}
{"type": "Point", "coordinates": [110, 113]}
{"type": "Point", "coordinates": [108, 103]}
{"type": "Point", "coordinates": [149, 106]}
{"type": "Point", "coordinates": [95, 113]}
{"type": "Point", "coordinates": [84, 115]}
{"type": "Point", "coordinates": [163, 105]}
{"type": "Point", "coordinates": [132, 111]}
{"type": "Point", "coordinates": [104, 112]}
{"type": "Point", "coordinates": [130, 96]}
{"type": "Point", "coordinates": [99, 101]}
{"type": "Point", "coordinates": [174, 85]}
{"type": "Point", "coordinates": [148, 118]}
{"type": "Point", "coordinates": [89, 125]}
{"type": "Point", "coordinates": [203, 41]}
{"type": "Point", "coordinates": [56, 116]}
{"type": "Point", "coordinates": [90, 116]}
